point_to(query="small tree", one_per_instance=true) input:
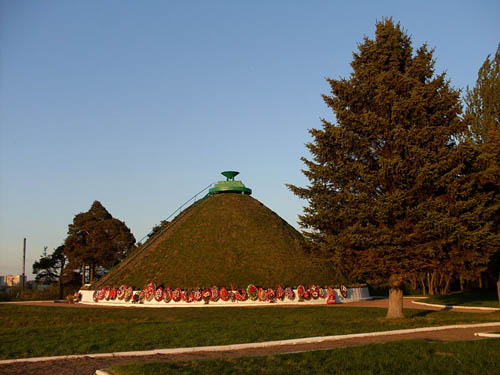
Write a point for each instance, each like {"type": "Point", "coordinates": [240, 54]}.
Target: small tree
{"type": "Point", "coordinates": [378, 176]}
{"type": "Point", "coordinates": [50, 267]}
{"type": "Point", "coordinates": [97, 240]}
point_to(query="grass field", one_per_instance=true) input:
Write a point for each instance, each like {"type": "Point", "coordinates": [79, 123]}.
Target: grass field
{"type": "Point", "coordinates": [403, 357]}
{"type": "Point", "coordinates": [476, 297]}
{"type": "Point", "coordinates": [32, 331]}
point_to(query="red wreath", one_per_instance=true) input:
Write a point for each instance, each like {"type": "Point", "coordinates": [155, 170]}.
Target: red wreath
{"type": "Point", "coordinates": [121, 292]}
{"type": "Point", "coordinates": [149, 291]}
{"type": "Point", "coordinates": [159, 294]}
{"type": "Point", "coordinates": [95, 296]}
{"type": "Point", "coordinates": [289, 293]}
{"type": "Point", "coordinates": [167, 295]}
{"type": "Point", "coordinates": [103, 293]}
{"type": "Point", "coordinates": [176, 294]}
{"type": "Point", "coordinates": [314, 291]}
{"type": "Point", "coordinates": [215, 293]}
{"type": "Point", "coordinates": [331, 296]}
{"type": "Point", "coordinates": [280, 292]}
{"type": "Point", "coordinates": [197, 295]}
{"type": "Point", "coordinates": [112, 294]}
{"type": "Point", "coordinates": [224, 294]}
{"type": "Point", "coordinates": [241, 295]}
{"type": "Point", "coordinates": [301, 291]}
{"type": "Point", "coordinates": [270, 295]}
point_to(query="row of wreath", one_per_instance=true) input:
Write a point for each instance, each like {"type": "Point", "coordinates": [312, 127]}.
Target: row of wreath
{"type": "Point", "coordinates": [214, 294]}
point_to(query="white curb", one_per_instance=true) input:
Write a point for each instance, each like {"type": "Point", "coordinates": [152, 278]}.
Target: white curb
{"type": "Point", "coordinates": [457, 307]}
{"type": "Point", "coordinates": [486, 334]}
{"type": "Point", "coordinates": [255, 345]}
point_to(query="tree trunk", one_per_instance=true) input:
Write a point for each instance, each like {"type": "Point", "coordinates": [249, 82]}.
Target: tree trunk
{"type": "Point", "coordinates": [422, 281]}
{"type": "Point", "coordinates": [395, 309]}
{"type": "Point", "coordinates": [446, 287]}
{"type": "Point", "coordinates": [61, 287]}
{"type": "Point", "coordinates": [461, 283]}
{"type": "Point", "coordinates": [83, 274]}
{"type": "Point", "coordinates": [413, 282]}
{"type": "Point", "coordinates": [430, 287]}
{"type": "Point", "coordinates": [480, 279]}
{"type": "Point", "coordinates": [498, 289]}
{"type": "Point", "coordinates": [91, 271]}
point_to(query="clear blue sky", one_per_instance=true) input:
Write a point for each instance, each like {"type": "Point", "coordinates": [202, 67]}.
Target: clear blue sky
{"type": "Point", "coordinates": [140, 104]}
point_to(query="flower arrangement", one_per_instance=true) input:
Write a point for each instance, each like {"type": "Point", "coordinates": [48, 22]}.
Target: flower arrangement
{"type": "Point", "coordinates": [213, 294]}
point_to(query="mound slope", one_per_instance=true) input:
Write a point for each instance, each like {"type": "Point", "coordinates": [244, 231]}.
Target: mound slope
{"type": "Point", "coordinates": [224, 239]}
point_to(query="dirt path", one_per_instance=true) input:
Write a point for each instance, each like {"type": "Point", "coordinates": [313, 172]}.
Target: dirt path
{"type": "Point", "coordinates": [89, 365]}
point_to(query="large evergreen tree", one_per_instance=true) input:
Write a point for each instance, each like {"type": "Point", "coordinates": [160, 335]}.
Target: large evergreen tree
{"type": "Point", "coordinates": [483, 115]}
{"type": "Point", "coordinates": [378, 175]}
{"type": "Point", "coordinates": [97, 240]}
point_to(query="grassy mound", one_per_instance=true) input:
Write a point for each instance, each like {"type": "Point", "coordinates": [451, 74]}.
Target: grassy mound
{"type": "Point", "coordinates": [224, 239]}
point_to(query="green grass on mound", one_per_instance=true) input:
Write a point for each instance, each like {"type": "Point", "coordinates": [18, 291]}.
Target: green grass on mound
{"type": "Point", "coordinates": [402, 357]}
{"type": "Point", "coordinates": [475, 297]}
{"type": "Point", "coordinates": [34, 331]}
{"type": "Point", "coordinates": [226, 239]}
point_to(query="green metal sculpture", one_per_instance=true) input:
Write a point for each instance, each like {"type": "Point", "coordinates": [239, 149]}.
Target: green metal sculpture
{"type": "Point", "coordinates": [230, 185]}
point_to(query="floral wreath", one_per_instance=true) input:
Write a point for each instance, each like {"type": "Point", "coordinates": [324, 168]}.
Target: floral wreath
{"type": "Point", "coordinates": [176, 295]}
{"type": "Point", "coordinates": [343, 291]}
{"type": "Point", "coordinates": [215, 293]}
{"type": "Point", "coordinates": [224, 294]}
{"type": "Point", "coordinates": [270, 295]}
{"type": "Point", "coordinates": [252, 292]}
{"type": "Point", "coordinates": [128, 293]}
{"type": "Point", "coordinates": [159, 294]}
{"type": "Point", "coordinates": [121, 292]}
{"type": "Point", "coordinates": [289, 293]}
{"type": "Point", "coordinates": [206, 295]}
{"type": "Point", "coordinates": [167, 295]}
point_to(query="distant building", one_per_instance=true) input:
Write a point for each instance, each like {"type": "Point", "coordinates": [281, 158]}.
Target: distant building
{"type": "Point", "coordinates": [13, 280]}
{"type": "Point", "coordinates": [2, 281]}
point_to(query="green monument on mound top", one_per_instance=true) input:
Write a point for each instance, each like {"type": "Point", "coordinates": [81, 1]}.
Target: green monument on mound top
{"type": "Point", "coordinates": [230, 185]}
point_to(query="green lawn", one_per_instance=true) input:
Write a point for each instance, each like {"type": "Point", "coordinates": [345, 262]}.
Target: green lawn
{"type": "Point", "coordinates": [476, 297]}
{"type": "Point", "coordinates": [403, 357]}
{"type": "Point", "coordinates": [32, 331]}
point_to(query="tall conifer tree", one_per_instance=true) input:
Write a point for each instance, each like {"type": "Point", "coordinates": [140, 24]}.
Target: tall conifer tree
{"type": "Point", "coordinates": [483, 115]}
{"type": "Point", "coordinates": [377, 174]}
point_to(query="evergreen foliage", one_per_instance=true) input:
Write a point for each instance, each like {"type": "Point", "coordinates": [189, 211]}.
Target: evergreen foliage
{"type": "Point", "coordinates": [483, 116]}
{"type": "Point", "coordinates": [378, 197]}
{"type": "Point", "coordinates": [483, 100]}
{"type": "Point", "coordinates": [97, 240]}
{"type": "Point", "coordinates": [50, 268]}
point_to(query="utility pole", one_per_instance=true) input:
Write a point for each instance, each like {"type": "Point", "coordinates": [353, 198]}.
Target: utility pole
{"type": "Point", "coordinates": [24, 261]}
